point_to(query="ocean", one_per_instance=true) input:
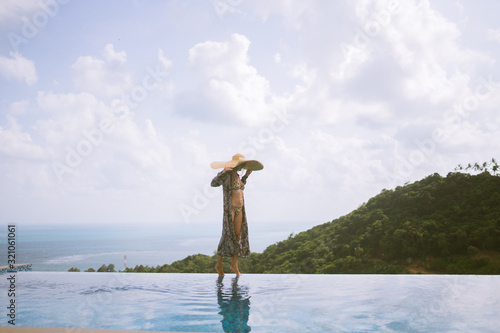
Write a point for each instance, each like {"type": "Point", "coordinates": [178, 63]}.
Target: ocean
{"type": "Point", "coordinates": [59, 248]}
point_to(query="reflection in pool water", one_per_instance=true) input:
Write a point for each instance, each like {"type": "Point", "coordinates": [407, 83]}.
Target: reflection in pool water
{"type": "Point", "coordinates": [234, 304]}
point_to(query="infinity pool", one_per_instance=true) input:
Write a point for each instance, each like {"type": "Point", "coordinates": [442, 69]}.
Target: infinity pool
{"type": "Point", "coordinates": [256, 303]}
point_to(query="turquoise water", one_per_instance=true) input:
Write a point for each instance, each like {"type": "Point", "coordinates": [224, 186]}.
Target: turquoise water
{"type": "Point", "coordinates": [257, 303]}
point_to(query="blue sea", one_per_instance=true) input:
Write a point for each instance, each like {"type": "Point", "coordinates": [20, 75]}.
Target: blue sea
{"type": "Point", "coordinates": [59, 248]}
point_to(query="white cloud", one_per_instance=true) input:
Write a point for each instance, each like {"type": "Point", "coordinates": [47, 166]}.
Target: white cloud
{"type": "Point", "coordinates": [165, 85]}
{"type": "Point", "coordinates": [138, 154]}
{"type": "Point", "coordinates": [196, 149]}
{"type": "Point", "coordinates": [84, 146]}
{"type": "Point", "coordinates": [494, 34]}
{"type": "Point", "coordinates": [277, 58]}
{"type": "Point", "coordinates": [18, 108]}
{"type": "Point", "coordinates": [430, 54]}
{"type": "Point", "coordinates": [105, 77]}
{"type": "Point", "coordinates": [234, 89]}
{"type": "Point", "coordinates": [19, 68]}
{"type": "Point", "coordinates": [113, 57]}
{"type": "Point", "coordinates": [394, 66]}
{"type": "Point", "coordinates": [295, 14]}
{"type": "Point", "coordinates": [164, 61]}
{"type": "Point", "coordinates": [16, 143]}
{"type": "Point", "coordinates": [349, 160]}
{"type": "Point", "coordinates": [13, 9]}
{"type": "Point", "coordinates": [67, 116]}
{"type": "Point", "coordinates": [140, 157]}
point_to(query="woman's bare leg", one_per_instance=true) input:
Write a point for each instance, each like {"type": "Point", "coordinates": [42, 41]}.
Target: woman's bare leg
{"type": "Point", "coordinates": [234, 264]}
{"type": "Point", "coordinates": [237, 221]}
{"type": "Point", "coordinates": [218, 267]}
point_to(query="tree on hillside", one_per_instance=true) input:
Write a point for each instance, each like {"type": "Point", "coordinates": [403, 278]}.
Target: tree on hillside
{"type": "Point", "coordinates": [491, 167]}
{"type": "Point", "coordinates": [109, 268]}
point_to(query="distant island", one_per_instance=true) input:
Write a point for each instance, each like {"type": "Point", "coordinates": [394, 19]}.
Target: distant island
{"type": "Point", "coordinates": [439, 225]}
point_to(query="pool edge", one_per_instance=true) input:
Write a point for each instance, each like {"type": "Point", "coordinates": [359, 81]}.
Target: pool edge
{"type": "Point", "coordinates": [11, 329]}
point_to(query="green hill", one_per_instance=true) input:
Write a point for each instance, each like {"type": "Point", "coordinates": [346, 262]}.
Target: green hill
{"type": "Point", "coordinates": [445, 225]}
{"type": "Point", "coordinates": [436, 225]}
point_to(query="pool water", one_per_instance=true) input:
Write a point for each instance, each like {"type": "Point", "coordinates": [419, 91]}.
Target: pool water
{"type": "Point", "coordinates": [256, 303]}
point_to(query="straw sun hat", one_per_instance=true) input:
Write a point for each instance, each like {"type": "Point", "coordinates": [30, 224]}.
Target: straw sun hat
{"type": "Point", "coordinates": [239, 160]}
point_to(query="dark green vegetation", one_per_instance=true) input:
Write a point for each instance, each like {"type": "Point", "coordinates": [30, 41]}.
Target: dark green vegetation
{"type": "Point", "coordinates": [103, 268]}
{"type": "Point", "coordinates": [492, 167]}
{"type": "Point", "coordinates": [436, 225]}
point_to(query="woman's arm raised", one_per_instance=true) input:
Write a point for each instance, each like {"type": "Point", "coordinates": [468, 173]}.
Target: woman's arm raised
{"type": "Point", "coordinates": [217, 181]}
{"type": "Point", "coordinates": [244, 178]}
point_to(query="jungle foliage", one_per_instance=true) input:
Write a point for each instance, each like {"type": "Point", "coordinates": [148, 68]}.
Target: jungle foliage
{"type": "Point", "coordinates": [438, 224]}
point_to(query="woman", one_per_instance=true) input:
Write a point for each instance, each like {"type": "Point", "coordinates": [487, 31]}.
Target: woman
{"type": "Point", "coordinates": [234, 239]}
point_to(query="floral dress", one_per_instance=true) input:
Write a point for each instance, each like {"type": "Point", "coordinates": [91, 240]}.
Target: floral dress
{"type": "Point", "coordinates": [229, 244]}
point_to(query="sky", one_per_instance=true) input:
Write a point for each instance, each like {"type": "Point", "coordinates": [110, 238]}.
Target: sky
{"type": "Point", "coordinates": [112, 111]}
